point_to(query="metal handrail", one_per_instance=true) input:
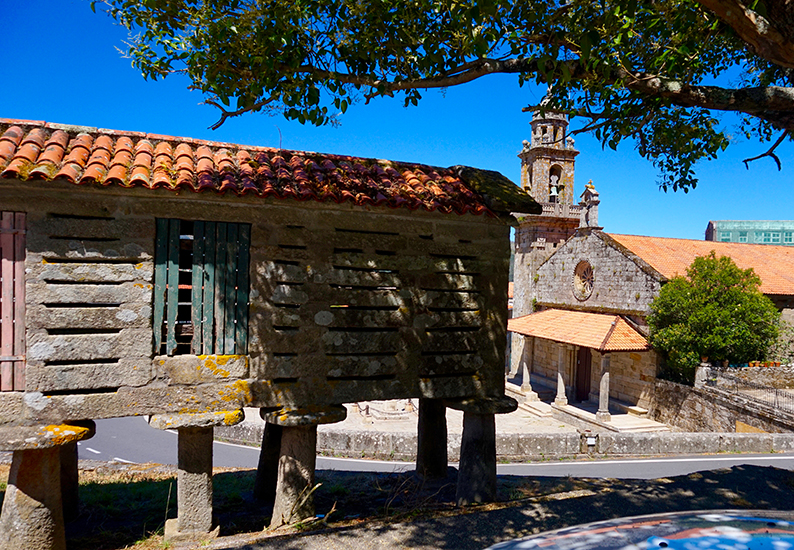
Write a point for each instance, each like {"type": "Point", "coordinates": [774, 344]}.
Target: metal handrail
{"type": "Point", "coordinates": [780, 399]}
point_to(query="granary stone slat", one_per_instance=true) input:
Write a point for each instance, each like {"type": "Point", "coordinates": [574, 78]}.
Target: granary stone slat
{"type": "Point", "coordinates": [129, 372]}
{"type": "Point", "coordinates": [79, 293]}
{"type": "Point", "coordinates": [125, 315]}
{"type": "Point", "coordinates": [128, 342]}
{"type": "Point", "coordinates": [90, 272]}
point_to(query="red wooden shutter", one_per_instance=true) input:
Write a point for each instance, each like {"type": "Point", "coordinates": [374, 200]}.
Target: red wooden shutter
{"type": "Point", "coordinates": [12, 301]}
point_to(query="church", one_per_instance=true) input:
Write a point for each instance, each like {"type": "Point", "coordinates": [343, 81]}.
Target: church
{"type": "Point", "coordinates": [582, 296]}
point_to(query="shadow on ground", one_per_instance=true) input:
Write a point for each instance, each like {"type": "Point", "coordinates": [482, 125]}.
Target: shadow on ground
{"type": "Point", "coordinates": [124, 505]}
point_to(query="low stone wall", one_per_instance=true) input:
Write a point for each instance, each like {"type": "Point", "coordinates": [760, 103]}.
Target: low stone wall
{"type": "Point", "coordinates": [512, 447]}
{"type": "Point", "coordinates": [708, 409]}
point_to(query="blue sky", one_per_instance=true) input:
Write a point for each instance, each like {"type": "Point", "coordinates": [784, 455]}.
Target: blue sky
{"type": "Point", "coordinates": [60, 64]}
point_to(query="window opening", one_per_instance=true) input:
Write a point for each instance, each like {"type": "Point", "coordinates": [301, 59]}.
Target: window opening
{"type": "Point", "coordinates": [201, 287]}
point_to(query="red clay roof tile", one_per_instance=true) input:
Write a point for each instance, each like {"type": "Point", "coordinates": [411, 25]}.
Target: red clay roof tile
{"type": "Point", "coordinates": [81, 155]}
{"type": "Point", "coordinates": [671, 257]}
{"type": "Point", "coordinates": [590, 330]}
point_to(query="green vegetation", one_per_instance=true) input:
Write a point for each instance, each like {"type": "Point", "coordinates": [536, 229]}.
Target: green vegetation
{"type": "Point", "coordinates": [716, 311]}
{"type": "Point", "coordinates": [654, 73]}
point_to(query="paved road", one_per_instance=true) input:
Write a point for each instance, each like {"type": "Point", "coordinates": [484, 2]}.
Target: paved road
{"type": "Point", "coordinates": [132, 440]}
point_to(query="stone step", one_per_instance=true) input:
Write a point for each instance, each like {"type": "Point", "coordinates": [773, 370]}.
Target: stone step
{"type": "Point", "coordinates": [536, 408]}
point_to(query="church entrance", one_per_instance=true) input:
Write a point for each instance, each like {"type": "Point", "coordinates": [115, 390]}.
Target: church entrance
{"type": "Point", "coordinates": [584, 361]}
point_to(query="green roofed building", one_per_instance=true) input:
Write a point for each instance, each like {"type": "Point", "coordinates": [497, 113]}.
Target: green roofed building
{"type": "Point", "coordinates": [757, 231]}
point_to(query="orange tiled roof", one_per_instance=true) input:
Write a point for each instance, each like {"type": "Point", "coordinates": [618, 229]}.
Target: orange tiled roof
{"type": "Point", "coordinates": [774, 264]}
{"type": "Point", "coordinates": [590, 330]}
{"type": "Point", "coordinates": [31, 150]}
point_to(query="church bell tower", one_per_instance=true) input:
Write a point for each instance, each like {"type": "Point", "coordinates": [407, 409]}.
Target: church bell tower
{"type": "Point", "coordinates": [547, 170]}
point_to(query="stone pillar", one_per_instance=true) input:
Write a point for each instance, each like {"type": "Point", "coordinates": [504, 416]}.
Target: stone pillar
{"type": "Point", "coordinates": [194, 480]}
{"type": "Point", "coordinates": [528, 360]}
{"type": "Point", "coordinates": [431, 452]}
{"type": "Point", "coordinates": [267, 468]}
{"type": "Point", "coordinates": [70, 481]}
{"type": "Point", "coordinates": [561, 399]}
{"type": "Point", "coordinates": [32, 513]}
{"type": "Point", "coordinates": [194, 471]}
{"type": "Point", "coordinates": [477, 465]}
{"type": "Point", "coordinates": [294, 498]}
{"type": "Point", "coordinates": [702, 374]}
{"type": "Point", "coordinates": [603, 414]}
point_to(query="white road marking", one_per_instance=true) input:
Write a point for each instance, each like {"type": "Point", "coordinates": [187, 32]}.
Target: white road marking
{"type": "Point", "coordinates": [734, 458]}
{"type": "Point", "coordinates": [89, 449]}
{"type": "Point", "coordinates": [117, 459]}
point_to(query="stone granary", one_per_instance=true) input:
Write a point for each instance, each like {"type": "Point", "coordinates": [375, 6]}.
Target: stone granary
{"type": "Point", "coordinates": [185, 279]}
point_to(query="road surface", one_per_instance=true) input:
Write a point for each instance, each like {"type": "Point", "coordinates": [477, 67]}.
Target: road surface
{"type": "Point", "coordinates": [132, 440]}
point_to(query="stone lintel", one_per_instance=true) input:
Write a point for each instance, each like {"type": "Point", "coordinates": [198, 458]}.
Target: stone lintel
{"type": "Point", "coordinates": [196, 420]}
{"type": "Point", "coordinates": [307, 416]}
{"type": "Point", "coordinates": [45, 437]}
{"type": "Point", "coordinates": [483, 405]}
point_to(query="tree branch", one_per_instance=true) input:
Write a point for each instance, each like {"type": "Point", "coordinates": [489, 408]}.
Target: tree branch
{"type": "Point", "coordinates": [230, 114]}
{"type": "Point", "coordinates": [758, 32]}
{"type": "Point", "coordinates": [770, 153]}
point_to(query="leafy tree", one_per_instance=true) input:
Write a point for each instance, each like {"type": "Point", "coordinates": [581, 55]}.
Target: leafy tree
{"type": "Point", "coordinates": [656, 72]}
{"type": "Point", "coordinates": [716, 311]}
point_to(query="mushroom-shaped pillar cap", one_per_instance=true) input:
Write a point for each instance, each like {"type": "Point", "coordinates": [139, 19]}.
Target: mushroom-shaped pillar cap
{"type": "Point", "coordinates": [45, 437]}
{"type": "Point", "coordinates": [307, 416]}
{"type": "Point", "coordinates": [483, 405]}
{"type": "Point", "coordinates": [196, 420]}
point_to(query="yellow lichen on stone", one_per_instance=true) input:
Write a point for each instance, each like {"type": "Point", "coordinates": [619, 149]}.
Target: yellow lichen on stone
{"type": "Point", "coordinates": [60, 434]}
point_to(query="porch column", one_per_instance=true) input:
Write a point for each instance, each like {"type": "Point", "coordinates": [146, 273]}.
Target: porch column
{"type": "Point", "coordinates": [477, 464]}
{"type": "Point", "coordinates": [561, 399]}
{"type": "Point", "coordinates": [527, 361]}
{"type": "Point", "coordinates": [194, 471]}
{"type": "Point", "coordinates": [294, 498]}
{"type": "Point", "coordinates": [603, 391]}
{"type": "Point", "coordinates": [32, 513]}
{"type": "Point", "coordinates": [431, 451]}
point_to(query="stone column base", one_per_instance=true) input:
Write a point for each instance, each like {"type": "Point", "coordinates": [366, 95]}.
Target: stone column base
{"type": "Point", "coordinates": [294, 498]}
{"type": "Point", "coordinates": [194, 475]}
{"type": "Point", "coordinates": [477, 465]}
{"type": "Point", "coordinates": [32, 513]}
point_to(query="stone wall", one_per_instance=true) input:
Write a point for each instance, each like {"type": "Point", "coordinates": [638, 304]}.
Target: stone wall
{"type": "Point", "coordinates": [620, 284]}
{"type": "Point", "coordinates": [631, 376]}
{"type": "Point", "coordinates": [705, 409]}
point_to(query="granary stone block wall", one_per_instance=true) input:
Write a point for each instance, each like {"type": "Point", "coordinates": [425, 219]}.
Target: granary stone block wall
{"type": "Point", "coordinates": [345, 305]}
{"type": "Point", "coordinates": [620, 285]}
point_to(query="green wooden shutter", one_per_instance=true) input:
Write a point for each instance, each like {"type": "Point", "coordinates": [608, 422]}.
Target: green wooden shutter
{"type": "Point", "coordinates": [219, 286]}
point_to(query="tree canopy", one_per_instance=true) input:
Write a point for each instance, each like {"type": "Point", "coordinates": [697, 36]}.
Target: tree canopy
{"type": "Point", "coordinates": [657, 73]}
{"type": "Point", "coordinates": [716, 311]}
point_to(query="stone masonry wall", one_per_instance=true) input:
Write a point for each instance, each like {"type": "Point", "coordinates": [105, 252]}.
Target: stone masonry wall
{"type": "Point", "coordinates": [620, 285]}
{"type": "Point", "coordinates": [546, 358]}
{"type": "Point", "coordinates": [631, 376]}
{"type": "Point", "coordinates": [690, 409]}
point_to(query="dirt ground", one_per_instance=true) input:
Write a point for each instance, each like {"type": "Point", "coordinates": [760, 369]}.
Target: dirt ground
{"type": "Point", "coordinates": [125, 506]}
